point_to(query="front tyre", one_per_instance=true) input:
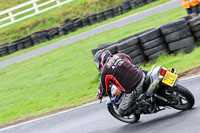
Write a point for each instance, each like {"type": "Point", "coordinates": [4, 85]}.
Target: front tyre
{"type": "Point", "coordinates": [133, 118]}
{"type": "Point", "coordinates": [179, 97]}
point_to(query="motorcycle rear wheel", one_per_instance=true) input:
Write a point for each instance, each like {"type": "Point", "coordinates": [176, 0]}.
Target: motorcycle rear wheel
{"type": "Point", "coordinates": [179, 97]}
{"type": "Point", "coordinates": [133, 118]}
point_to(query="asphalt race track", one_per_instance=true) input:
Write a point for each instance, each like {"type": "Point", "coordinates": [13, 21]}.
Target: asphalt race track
{"type": "Point", "coordinates": [114, 24]}
{"type": "Point", "coordinates": [94, 118]}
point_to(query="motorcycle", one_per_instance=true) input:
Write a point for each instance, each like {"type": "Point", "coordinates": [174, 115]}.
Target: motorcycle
{"type": "Point", "coordinates": [162, 91]}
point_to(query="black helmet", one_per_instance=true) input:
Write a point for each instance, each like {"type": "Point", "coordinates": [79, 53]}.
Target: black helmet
{"type": "Point", "coordinates": [100, 57]}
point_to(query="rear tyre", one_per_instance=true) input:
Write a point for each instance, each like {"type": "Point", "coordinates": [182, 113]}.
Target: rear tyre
{"type": "Point", "coordinates": [180, 98]}
{"type": "Point", "coordinates": [133, 118]}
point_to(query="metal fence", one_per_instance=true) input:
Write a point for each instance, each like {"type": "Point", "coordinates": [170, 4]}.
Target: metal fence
{"type": "Point", "coordinates": [27, 10]}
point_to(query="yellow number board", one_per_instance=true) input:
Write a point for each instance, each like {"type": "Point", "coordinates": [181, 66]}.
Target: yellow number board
{"type": "Point", "coordinates": [170, 79]}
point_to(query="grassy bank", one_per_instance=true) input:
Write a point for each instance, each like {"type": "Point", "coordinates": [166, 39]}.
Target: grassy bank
{"type": "Point", "coordinates": [67, 77]}
{"type": "Point", "coordinates": [5, 4]}
{"type": "Point", "coordinates": [55, 17]}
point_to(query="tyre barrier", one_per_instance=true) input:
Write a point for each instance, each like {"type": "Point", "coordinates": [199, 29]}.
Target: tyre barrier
{"type": "Point", "coordinates": [153, 44]}
{"type": "Point", "coordinates": [62, 30]}
{"type": "Point", "coordinates": [139, 3]}
{"type": "Point", "coordinates": [131, 47]}
{"type": "Point", "coordinates": [186, 44]}
{"type": "Point", "coordinates": [128, 42]}
{"type": "Point", "coordinates": [108, 14]}
{"type": "Point", "coordinates": [92, 19]}
{"type": "Point", "coordinates": [133, 4]}
{"type": "Point", "coordinates": [150, 35]}
{"type": "Point", "coordinates": [16, 45]}
{"type": "Point", "coordinates": [149, 1]}
{"type": "Point", "coordinates": [194, 25]}
{"type": "Point", "coordinates": [85, 21]}
{"type": "Point", "coordinates": [113, 48]}
{"type": "Point", "coordinates": [23, 43]}
{"type": "Point", "coordinates": [67, 20]}
{"type": "Point", "coordinates": [66, 28]}
{"type": "Point", "coordinates": [39, 37]}
{"type": "Point", "coordinates": [150, 44]}
{"type": "Point", "coordinates": [4, 49]}
{"type": "Point", "coordinates": [188, 17]}
{"type": "Point", "coordinates": [52, 33]}
{"type": "Point", "coordinates": [126, 6]}
{"type": "Point", "coordinates": [78, 23]}
{"type": "Point", "coordinates": [19, 44]}
{"type": "Point", "coordinates": [116, 11]}
{"type": "Point", "coordinates": [124, 39]}
{"type": "Point", "coordinates": [12, 48]}
{"type": "Point", "coordinates": [100, 16]}
{"type": "Point", "coordinates": [173, 26]}
{"type": "Point", "coordinates": [28, 42]}
{"type": "Point", "coordinates": [178, 36]}
{"type": "Point", "coordinates": [102, 46]}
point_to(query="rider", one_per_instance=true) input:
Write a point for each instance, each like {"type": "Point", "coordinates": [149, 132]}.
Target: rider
{"type": "Point", "coordinates": [118, 70]}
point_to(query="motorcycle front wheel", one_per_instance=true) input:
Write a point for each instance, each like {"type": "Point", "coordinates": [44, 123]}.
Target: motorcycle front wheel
{"type": "Point", "coordinates": [133, 118]}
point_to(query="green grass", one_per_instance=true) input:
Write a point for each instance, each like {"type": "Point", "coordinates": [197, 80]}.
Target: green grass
{"type": "Point", "coordinates": [88, 28]}
{"type": "Point", "coordinates": [5, 4]}
{"type": "Point", "coordinates": [67, 77]}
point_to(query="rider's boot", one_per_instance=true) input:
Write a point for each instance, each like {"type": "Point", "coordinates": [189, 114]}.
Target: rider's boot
{"type": "Point", "coordinates": [127, 101]}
